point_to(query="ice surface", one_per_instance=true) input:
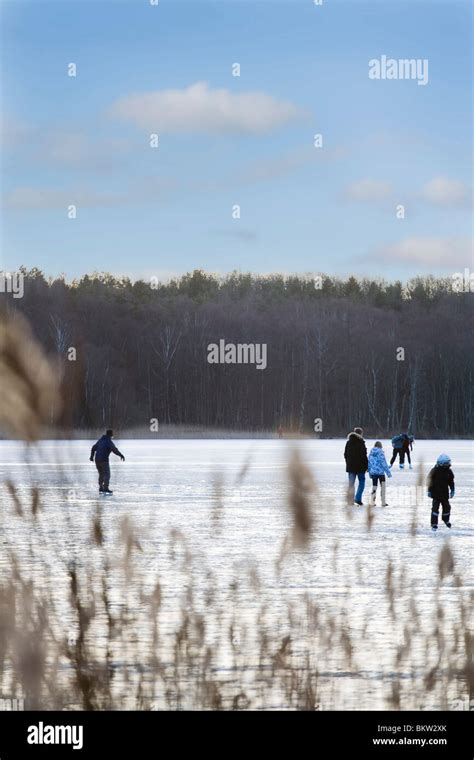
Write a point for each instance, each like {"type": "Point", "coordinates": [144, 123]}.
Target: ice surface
{"type": "Point", "coordinates": [173, 485]}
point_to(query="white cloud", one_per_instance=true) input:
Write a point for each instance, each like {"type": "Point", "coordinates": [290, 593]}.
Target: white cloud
{"type": "Point", "coordinates": [429, 251]}
{"type": "Point", "coordinates": [78, 150]}
{"type": "Point", "coordinates": [46, 199]}
{"type": "Point", "coordinates": [64, 148]}
{"type": "Point", "coordinates": [368, 190]}
{"type": "Point", "coordinates": [442, 191]}
{"type": "Point", "coordinates": [198, 108]}
{"type": "Point", "coordinates": [141, 191]}
{"type": "Point", "coordinates": [41, 199]}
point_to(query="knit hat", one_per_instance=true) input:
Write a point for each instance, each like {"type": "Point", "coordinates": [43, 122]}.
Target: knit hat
{"type": "Point", "coordinates": [443, 460]}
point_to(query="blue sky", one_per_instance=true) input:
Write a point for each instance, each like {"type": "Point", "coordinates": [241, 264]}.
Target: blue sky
{"type": "Point", "coordinates": [226, 140]}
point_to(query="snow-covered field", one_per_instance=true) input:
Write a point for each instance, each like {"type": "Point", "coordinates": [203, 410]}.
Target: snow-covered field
{"type": "Point", "coordinates": [171, 484]}
{"type": "Point", "coordinates": [228, 500]}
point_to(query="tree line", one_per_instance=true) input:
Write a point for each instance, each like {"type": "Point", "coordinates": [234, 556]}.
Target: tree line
{"type": "Point", "coordinates": [386, 356]}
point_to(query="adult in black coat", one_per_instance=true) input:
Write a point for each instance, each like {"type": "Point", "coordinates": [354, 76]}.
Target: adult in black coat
{"type": "Point", "coordinates": [357, 464]}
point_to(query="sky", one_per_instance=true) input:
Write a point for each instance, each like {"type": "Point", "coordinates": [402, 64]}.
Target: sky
{"type": "Point", "coordinates": [387, 194]}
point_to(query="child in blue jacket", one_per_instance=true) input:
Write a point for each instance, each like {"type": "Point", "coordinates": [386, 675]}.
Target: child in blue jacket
{"type": "Point", "coordinates": [378, 468]}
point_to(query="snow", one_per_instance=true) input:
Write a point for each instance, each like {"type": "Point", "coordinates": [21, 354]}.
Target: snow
{"type": "Point", "coordinates": [171, 485]}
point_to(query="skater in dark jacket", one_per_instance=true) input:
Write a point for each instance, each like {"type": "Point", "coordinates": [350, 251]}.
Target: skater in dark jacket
{"type": "Point", "coordinates": [402, 445]}
{"type": "Point", "coordinates": [355, 455]}
{"type": "Point", "coordinates": [102, 450]}
{"type": "Point", "coordinates": [441, 488]}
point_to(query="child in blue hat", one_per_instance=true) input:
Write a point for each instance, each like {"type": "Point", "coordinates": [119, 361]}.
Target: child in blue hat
{"type": "Point", "coordinates": [441, 489]}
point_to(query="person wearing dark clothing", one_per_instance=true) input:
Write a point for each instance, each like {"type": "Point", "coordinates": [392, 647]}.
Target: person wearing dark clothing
{"type": "Point", "coordinates": [397, 452]}
{"type": "Point", "coordinates": [355, 455]}
{"type": "Point", "coordinates": [101, 451]}
{"type": "Point", "coordinates": [440, 489]}
{"type": "Point", "coordinates": [402, 445]}
{"type": "Point", "coordinates": [406, 448]}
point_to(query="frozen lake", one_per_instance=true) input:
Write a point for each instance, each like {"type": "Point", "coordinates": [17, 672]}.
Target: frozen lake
{"type": "Point", "coordinates": [223, 506]}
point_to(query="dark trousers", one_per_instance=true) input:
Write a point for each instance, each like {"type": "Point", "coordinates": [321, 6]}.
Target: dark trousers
{"type": "Point", "coordinates": [104, 475]}
{"type": "Point", "coordinates": [435, 510]}
{"type": "Point", "coordinates": [401, 453]}
{"type": "Point", "coordinates": [378, 479]}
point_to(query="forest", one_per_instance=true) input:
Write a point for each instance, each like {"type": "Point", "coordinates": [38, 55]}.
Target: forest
{"type": "Point", "coordinates": [386, 356]}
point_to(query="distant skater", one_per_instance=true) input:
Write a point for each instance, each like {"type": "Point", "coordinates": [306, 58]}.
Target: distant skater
{"type": "Point", "coordinates": [408, 447]}
{"type": "Point", "coordinates": [402, 445]}
{"type": "Point", "coordinates": [280, 431]}
{"type": "Point", "coordinates": [378, 468]}
{"type": "Point", "coordinates": [355, 455]}
{"type": "Point", "coordinates": [102, 450]}
{"type": "Point", "coordinates": [440, 484]}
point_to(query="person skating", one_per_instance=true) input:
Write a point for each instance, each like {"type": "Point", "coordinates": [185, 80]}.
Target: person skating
{"type": "Point", "coordinates": [402, 444]}
{"type": "Point", "coordinates": [101, 451]}
{"type": "Point", "coordinates": [408, 447]}
{"type": "Point", "coordinates": [355, 454]}
{"type": "Point", "coordinates": [378, 468]}
{"type": "Point", "coordinates": [440, 484]}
